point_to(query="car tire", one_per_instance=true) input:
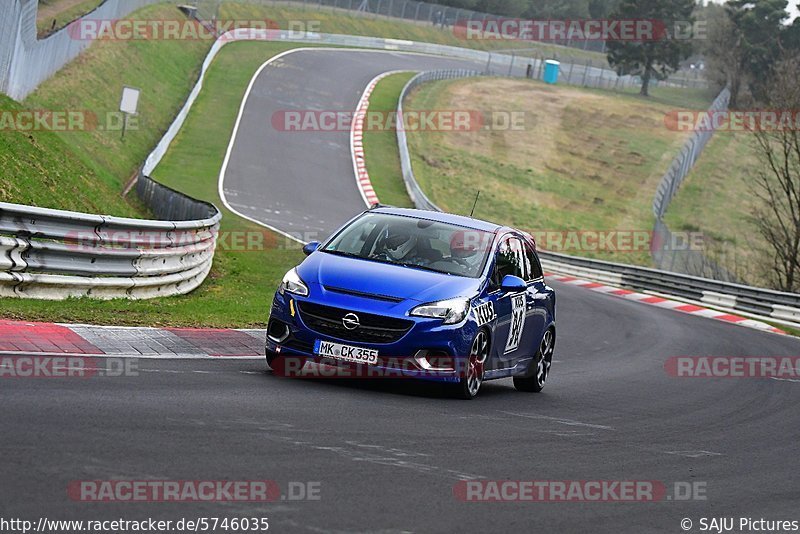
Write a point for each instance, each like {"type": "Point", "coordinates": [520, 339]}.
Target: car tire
{"type": "Point", "coordinates": [539, 368]}
{"type": "Point", "coordinates": [470, 384]}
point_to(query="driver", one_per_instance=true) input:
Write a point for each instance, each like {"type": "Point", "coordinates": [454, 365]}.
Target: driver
{"type": "Point", "coordinates": [465, 248]}
{"type": "Point", "coordinates": [400, 246]}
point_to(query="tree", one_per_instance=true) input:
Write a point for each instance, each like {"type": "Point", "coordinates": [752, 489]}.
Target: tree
{"type": "Point", "coordinates": [654, 58]}
{"type": "Point", "coordinates": [601, 9]}
{"type": "Point", "coordinates": [558, 9]}
{"type": "Point", "coordinates": [777, 183]}
{"type": "Point", "coordinates": [507, 8]}
{"type": "Point", "coordinates": [725, 61]}
{"type": "Point", "coordinates": [758, 31]}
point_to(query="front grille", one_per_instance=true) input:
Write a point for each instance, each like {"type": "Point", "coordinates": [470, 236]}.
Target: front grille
{"type": "Point", "coordinates": [373, 328]}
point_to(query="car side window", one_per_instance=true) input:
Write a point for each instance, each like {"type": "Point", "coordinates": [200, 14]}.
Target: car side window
{"type": "Point", "coordinates": [509, 260]}
{"type": "Point", "coordinates": [535, 267]}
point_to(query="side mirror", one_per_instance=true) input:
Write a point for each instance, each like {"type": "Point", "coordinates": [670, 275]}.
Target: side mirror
{"type": "Point", "coordinates": [513, 283]}
{"type": "Point", "coordinates": [308, 248]}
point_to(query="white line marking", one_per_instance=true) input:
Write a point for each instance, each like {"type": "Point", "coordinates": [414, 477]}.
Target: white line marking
{"type": "Point", "coordinates": [784, 379]}
{"type": "Point", "coordinates": [232, 142]}
{"type": "Point", "coordinates": [559, 420]}
{"type": "Point", "coordinates": [694, 454]}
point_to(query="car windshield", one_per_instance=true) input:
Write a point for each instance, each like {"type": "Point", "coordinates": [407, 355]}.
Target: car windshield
{"type": "Point", "coordinates": [420, 243]}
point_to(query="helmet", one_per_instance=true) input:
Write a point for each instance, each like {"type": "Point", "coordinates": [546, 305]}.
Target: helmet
{"type": "Point", "coordinates": [399, 243]}
{"type": "Point", "coordinates": [464, 244]}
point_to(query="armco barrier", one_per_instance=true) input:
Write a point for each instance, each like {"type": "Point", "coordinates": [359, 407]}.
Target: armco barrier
{"type": "Point", "coordinates": [419, 198]}
{"type": "Point", "coordinates": [54, 254]}
{"type": "Point", "coordinates": [765, 303]}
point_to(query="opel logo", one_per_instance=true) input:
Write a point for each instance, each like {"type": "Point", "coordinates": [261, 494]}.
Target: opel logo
{"type": "Point", "coordinates": [351, 321]}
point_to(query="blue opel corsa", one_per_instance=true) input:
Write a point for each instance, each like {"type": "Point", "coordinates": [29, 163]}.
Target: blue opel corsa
{"type": "Point", "coordinates": [419, 294]}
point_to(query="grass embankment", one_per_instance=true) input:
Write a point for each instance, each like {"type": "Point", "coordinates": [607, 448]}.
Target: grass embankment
{"type": "Point", "coordinates": [716, 199]}
{"type": "Point", "coordinates": [40, 168]}
{"type": "Point", "coordinates": [87, 170]}
{"type": "Point", "coordinates": [675, 97]}
{"type": "Point", "coordinates": [583, 161]}
{"type": "Point", "coordinates": [62, 12]}
{"type": "Point", "coordinates": [238, 291]}
{"type": "Point", "coordinates": [164, 70]}
{"type": "Point", "coordinates": [703, 204]}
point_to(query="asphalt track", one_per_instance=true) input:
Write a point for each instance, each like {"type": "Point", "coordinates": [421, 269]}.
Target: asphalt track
{"type": "Point", "coordinates": [388, 454]}
{"type": "Point", "coordinates": [302, 182]}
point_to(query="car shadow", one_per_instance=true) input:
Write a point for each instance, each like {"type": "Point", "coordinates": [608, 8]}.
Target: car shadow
{"type": "Point", "coordinates": [408, 387]}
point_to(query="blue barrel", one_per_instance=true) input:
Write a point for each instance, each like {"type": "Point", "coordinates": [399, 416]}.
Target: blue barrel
{"type": "Point", "coordinates": [551, 71]}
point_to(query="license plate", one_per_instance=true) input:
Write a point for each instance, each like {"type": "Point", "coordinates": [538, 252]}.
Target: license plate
{"type": "Point", "coordinates": [346, 353]}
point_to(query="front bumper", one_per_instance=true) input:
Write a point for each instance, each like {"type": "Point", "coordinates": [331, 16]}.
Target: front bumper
{"type": "Point", "coordinates": [429, 350]}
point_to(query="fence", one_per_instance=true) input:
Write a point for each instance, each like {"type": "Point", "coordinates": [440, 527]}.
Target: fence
{"type": "Point", "coordinates": [684, 161]}
{"type": "Point", "coordinates": [782, 307]}
{"type": "Point", "coordinates": [26, 61]}
{"type": "Point", "coordinates": [445, 17]}
{"type": "Point", "coordinates": [435, 15]}
{"type": "Point", "coordinates": [692, 262]}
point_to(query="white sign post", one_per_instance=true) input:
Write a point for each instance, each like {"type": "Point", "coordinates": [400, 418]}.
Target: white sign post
{"type": "Point", "coordinates": [129, 105]}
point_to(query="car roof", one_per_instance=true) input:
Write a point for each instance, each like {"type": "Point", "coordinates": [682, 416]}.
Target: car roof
{"type": "Point", "coordinates": [438, 216]}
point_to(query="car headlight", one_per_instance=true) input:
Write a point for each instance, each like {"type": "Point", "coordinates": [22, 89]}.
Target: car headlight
{"type": "Point", "coordinates": [452, 311]}
{"type": "Point", "coordinates": [293, 284]}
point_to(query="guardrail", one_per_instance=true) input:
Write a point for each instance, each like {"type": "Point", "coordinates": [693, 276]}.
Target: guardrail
{"type": "Point", "coordinates": [778, 306]}
{"type": "Point", "coordinates": [54, 254]}
{"type": "Point", "coordinates": [765, 303]}
{"type": "Point", "coordinates": [418, 196]}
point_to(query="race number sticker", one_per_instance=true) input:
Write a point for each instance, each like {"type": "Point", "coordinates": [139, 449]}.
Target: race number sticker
{"type": "Point", "coordinates": [517, 322]}
{"type": "Point", "coordinates": [485, 313]}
